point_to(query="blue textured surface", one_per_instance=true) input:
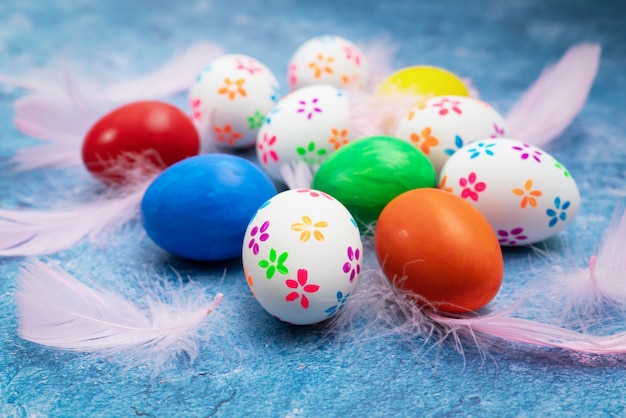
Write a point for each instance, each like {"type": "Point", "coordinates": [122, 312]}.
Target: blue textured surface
{"type": "Point", "coordinates": [254, 365]}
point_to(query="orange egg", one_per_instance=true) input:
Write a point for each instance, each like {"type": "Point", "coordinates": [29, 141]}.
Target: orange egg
{"type": "Point", "coordinates": [441, 248]}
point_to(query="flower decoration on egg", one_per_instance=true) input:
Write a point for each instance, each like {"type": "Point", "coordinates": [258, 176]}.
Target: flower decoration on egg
{"type": "Point", "coordinates": [230, 98]}
{"type": "Point", "coordinates": [441, 125]}
{"type": "Point", "coordinates": [298, 271]}
{"type": "Point", "coordinates": [330, 60]}
{"type": "Point", "coordinates": [519, 188]}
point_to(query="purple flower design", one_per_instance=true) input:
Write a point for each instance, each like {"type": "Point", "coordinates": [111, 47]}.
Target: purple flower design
{"type": "Point", "coordinates": [498, 131]}
{"type": "Point", "coordinates": [354, 255]}
{"type": "Point", "coordinates": [262, 236]}
{"type": "Point", "coordinates": [310, 109]}
{"type": "Point", "coordinates": [512, 237]}
{"type": "Point", "coordinates": [528, 152]}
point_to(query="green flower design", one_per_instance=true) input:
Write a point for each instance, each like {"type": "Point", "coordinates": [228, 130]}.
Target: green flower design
{"type": "Point", "coordinates": [275, 263]}
{"type": "Point", "coordinates": [562, 168]}
{"type": "Point", "coordinates": [256, 120]}
{"type": "Point", "coordinates": [310, 154]}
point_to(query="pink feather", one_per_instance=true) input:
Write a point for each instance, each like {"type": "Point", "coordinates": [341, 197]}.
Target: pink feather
{"type": "Point", "coordinates": [550, 105]}
{"type": "Point", "coordinates": [584, 298]}
{"type": "Point", "coordinates": [57, 310]}
{"type": "Point", "coordinates": [62, 114]}
{"type": "Point", "coordinates": [37, 232]}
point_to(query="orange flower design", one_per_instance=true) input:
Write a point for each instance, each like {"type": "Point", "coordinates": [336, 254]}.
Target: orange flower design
{"type": "Point", "coordinates": [322, 65]}
{"type": "Point", "coordinates": [442, 185]}
{"type": "Point", "coordinates": [425, 141]}
{"type": "Point", "coordinates": [232, 88]}
{"type": "Point", "coordinates": [338, 138]}
{"type": "Point", "coordinates": [528, 194]}
{"type": "Point", "coordinates": [227, 134]}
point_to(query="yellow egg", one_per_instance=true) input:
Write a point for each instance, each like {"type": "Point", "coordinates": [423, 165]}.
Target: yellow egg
{"type": "Point", "coordinates": [423, 81]}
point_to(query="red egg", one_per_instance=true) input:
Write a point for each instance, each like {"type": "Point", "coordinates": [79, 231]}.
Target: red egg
{"type": "Point", "coordinates": [137, 139]}
{"type": "Point", "coordinates": [440, 248]}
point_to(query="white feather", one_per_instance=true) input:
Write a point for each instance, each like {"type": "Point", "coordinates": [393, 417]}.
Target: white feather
{"type": "Point", "coordinates": [298, 174]}
{"type": "Point", "coordinates": [556, 97]}
{"type": "Point", "coordinates": [57, 310]}
{"type": "Point", "coordinates": [38, 232]}
{"type": "Point", "coordinates": [62, 114]}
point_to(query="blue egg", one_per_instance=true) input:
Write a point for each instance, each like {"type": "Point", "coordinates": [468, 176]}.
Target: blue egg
{"type": "Point", "coordinates": [199, 208]}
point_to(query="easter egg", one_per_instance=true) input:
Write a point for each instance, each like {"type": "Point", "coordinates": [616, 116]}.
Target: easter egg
{"type": "Point", "coordinates": [439, 248]}
{"type": "Point", "coordinates": [526, 195]}
{"type": "Point", "coordinates": [423, 80]}
{"type": "Point", "coordinates": [441, 125]}
{"type": "Point", "coordinates": [329, 60]}
{"type": "Point", "coordinates": [368, 173]}
{"type": "Point", "coordinates": [138, 139]}
{"type": "Point", "coordinates": [307, 125]}
{"type": "Point", "coordinates": [230, 98]}
{"type": "Point", "coordinates": [302, 256]}
{"type": "Point", "coordinates": [199, 208]}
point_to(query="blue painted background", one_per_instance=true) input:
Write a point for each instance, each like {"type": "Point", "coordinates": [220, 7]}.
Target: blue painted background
{"type": "Point", "coordinates": [252, 365]}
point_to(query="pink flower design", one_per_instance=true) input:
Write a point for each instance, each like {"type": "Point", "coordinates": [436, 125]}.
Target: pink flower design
{"type": "Point", "coordinates": [470, 187]}
{"type": "Point", "coordinates": [303, 277]}
{"type": "Point", "coordinates": [249, 66]}
{"type": "Point", "coordinates": [310, 109]}
{"type": "Point", "coordinates": [445, 105]}
{"type": "Point", "coordinates": [352, 54]}
{"type": "Point", "coordinates": [195, 108]}
{"type": "Point", "coordinates": [315, 193]}
{"type": "Point", "coordinates": [498, 132]}
{"type": "Point", "coordinates": [265, 147]}
{"type": "Point", "coordinates": [353, 256]}
{"type": "Point", "coordinates": [527, 151]}
{"type": "Point", "coordinates": [292, 75]}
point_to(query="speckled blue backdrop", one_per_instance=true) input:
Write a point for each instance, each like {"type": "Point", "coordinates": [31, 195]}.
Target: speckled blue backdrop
{"type": "Point", "coordinates": [253, 365]}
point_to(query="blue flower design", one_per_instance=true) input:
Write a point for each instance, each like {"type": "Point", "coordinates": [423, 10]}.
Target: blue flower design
{"type": "Point", "coordinates": [341, 300]}
{"type": "Point", "coordinates": [558, 212]}
{"type": "Point", "coordinates": [480, 148]}
{"type": "Point", "coordinates": [458, 142]}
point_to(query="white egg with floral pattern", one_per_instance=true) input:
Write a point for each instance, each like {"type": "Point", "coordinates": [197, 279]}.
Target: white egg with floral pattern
{"type": "Point", "coordinates": [440, 125]}
{"type": "Point", "coordinates": [329, 60]}
{"type": "Point", "coordinates": [302, 256]}
{"type": "Point", "coordinates": [305, 126]}
{"type": "Point", "coordinates": [230, 99]}
{"type": "Point", "coordinates": [526, 195]}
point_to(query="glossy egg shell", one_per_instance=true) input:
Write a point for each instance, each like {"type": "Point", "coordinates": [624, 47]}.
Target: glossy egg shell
{"type": "Point", "coordinates": [302, 256]}
{"type": "Point", "coordinates": [230, 99]}
{"type": "Point", "coordinates": [307, 126]}
{"type": "Point", "coordinates": [441, 249]}
{"type": "Point", "coordinates": [139, 135]}
{"type": "Point", "coordinates": [329, 60]}
{"type": "Point", "coordinates": [199, 208]}
{"type": "Point", "coordinates": [423, 80]}
{"type": "Point", "coordinates": [441, 125]}
{"type": "Point", "coordinates": [526, 195]}
{"type": "Point", "coordinates": [368, 173]}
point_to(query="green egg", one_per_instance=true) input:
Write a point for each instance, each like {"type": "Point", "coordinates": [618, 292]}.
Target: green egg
{"type": "Point", "coordinates": [368, 173]}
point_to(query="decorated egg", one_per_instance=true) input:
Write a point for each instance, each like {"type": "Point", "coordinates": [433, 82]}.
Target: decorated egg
{"type": "Point", "coordinates": [368, 173]}
{"type": "Point", "coordinates": [525, 194]}
{"type": "Point", "coordinates": [138, 139]}
{"type": "Point", "coordinates": [230, 99]}
{"type": "Point", "coordinates": [441, 249]}
{"type": "Point", "coordinates": [423, 80]}
{"type": "Point", "coordinates": [327, 60]}
{"type": "Point", "coordinates": [199, 208]}
{"type": "Point", "coordinates": [302, 256]}
{"type": "Point", "coordinates": [307, 125]}
{"type": "Point", "coordinates": [441, 125]}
